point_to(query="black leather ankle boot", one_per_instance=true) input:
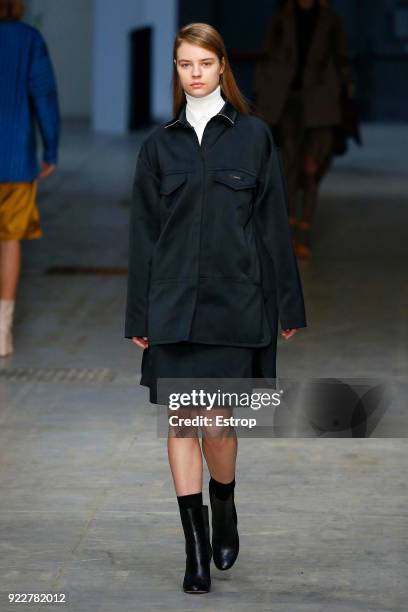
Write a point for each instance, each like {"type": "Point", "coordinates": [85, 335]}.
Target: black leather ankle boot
{"type": "Point", "coordinates": [225, 538]}
{"type": "Point", "coordinates": [196, 528]}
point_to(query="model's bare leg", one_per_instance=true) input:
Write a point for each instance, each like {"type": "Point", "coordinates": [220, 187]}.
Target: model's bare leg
{"type": "Point", "coordinates": [184, 453]}
{"type": "Point", "coordinates": [186, 464]}
{"type": "Point", "coordinates": [220, 452]}
{"type": "Point", "coordinates": [10, 261]}
{"type": "Point", "coordinates": [9, 273]}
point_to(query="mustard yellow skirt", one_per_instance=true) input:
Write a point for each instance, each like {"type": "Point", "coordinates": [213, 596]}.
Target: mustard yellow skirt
{"type": "Point", "coordinates": [19, 215]}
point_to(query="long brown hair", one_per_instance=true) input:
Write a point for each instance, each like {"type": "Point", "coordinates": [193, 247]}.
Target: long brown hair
{"type": "Point", "coordinates": [11, 10]}
{"type": "Point", "coordinates": [204, 35]}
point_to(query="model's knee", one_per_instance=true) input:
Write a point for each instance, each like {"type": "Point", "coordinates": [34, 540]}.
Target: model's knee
{"type": "Point", "coordinates": [183, 431]}
{"type": "Point", "coordinates": [182, 423]}
{"type": "Point", "coordinates": [213, 436]}
{"type": "Point", "coordinates": [216, 435]}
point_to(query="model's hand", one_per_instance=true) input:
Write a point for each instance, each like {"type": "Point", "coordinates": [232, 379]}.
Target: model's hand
{"type": "Point", "coordinates": [288, 333]}
{"type": "Point", "coordinates": [46, 170]}
{"type": "Point", "coordinates": [140, 341]}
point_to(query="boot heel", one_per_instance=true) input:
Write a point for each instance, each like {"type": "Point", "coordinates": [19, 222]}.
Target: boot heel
{"type": "Point", "coordinates": [195, 521]}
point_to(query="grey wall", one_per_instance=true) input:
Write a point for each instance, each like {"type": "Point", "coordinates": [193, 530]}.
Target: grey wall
{"type": "Point", "coordinates": [67, 29]}
{"type": "Point", "coordinates": [111, 58]}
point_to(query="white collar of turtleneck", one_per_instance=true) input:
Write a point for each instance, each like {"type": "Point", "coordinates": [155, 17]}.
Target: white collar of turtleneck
{"type": "Point", "coordinates": [205, 106]}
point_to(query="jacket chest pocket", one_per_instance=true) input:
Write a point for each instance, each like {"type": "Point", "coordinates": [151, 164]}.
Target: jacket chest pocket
{"type": "Point", "coordinates": [170, 189]}
{"type": "Point", "coordinates": [171, 182]}
{"type": "Point", "coordinates": [239, 192]}
{"type": "Point", "coordinates": [235, 179]}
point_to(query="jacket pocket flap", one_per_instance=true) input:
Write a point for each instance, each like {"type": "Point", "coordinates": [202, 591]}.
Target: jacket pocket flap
{"type": "Point", "coordinates": [237, 179]}
{"type": "Point", "coordinates": [170, 182]}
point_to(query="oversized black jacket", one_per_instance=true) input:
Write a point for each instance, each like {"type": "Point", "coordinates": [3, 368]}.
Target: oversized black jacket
{"type": "Point", "coordinates": [210, 252]}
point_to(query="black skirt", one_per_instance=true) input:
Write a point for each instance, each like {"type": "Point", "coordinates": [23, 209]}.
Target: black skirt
{"type": "Point", "coordinates": [197, 360]}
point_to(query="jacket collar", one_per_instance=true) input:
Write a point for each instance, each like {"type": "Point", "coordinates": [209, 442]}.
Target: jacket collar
{"type": "Point", "coordinates": [228, 111]}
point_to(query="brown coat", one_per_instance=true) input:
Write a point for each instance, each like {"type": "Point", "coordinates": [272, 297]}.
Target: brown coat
{"type": "Point", "coordinates": [327, 68]}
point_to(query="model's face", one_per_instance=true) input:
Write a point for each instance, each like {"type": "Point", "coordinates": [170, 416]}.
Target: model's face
{"type": "Point", "coordinates": [198, 65]}
{"type": "Point", "coordinates": [306, 5]}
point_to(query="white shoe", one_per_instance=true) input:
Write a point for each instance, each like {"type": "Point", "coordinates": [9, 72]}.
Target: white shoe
{"type": "Point", "coordinates": [6, 323]}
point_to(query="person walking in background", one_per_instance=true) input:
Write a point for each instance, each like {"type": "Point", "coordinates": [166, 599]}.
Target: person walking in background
{"type": "Point", "coordinates": [299, 82]}
{"type": "Point", "coordinates": [28, 92]}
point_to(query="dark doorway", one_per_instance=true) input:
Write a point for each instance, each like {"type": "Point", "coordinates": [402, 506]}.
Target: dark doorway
{"type": "Point", "coordinates": [140, 71]}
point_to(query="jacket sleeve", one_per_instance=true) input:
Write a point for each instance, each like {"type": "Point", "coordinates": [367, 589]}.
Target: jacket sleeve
{"type": "Point", "coordinates": [144, 231]}
{"type": "Point", "coordinates": [272, 226]}
{"type": "Point", "coordinates": [42, 89]}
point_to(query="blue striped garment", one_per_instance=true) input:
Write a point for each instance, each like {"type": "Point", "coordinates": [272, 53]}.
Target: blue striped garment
{"type": "Point", "coordinates": [28, 94]}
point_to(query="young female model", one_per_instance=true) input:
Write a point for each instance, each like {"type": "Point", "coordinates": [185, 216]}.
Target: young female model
{"type": "Point", "coordinates": [211, 270]}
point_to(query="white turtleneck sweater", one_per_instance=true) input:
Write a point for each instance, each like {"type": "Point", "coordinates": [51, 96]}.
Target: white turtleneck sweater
{"type": "Point", "coordinates": [199, 110]}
